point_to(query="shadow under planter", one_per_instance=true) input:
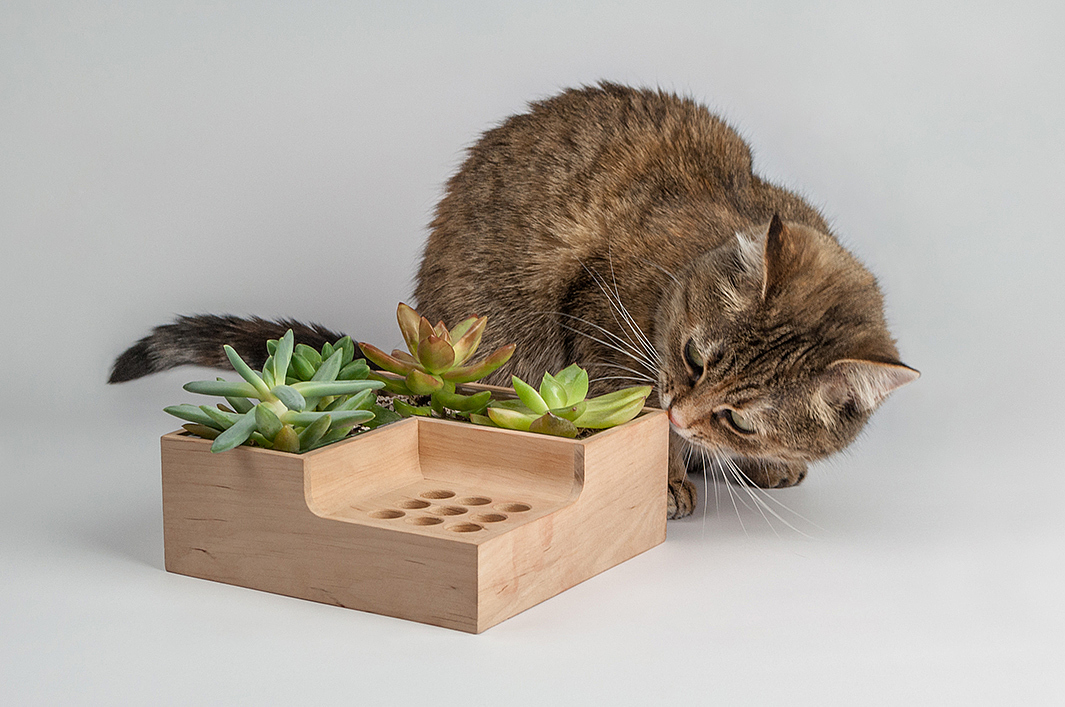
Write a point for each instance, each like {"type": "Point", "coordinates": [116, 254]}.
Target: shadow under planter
{"type": "Point", "coordinates": [442, 522]}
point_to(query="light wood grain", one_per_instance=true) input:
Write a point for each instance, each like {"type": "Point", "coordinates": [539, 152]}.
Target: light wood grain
{"type": "Point", "coordinates": [430, 520]}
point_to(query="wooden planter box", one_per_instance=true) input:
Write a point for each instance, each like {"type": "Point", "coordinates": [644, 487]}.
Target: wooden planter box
{"type": "Point", "coordinates": [443, 522]}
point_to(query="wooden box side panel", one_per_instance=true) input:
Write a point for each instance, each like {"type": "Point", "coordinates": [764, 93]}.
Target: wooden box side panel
{"type": "Point", "coordinates": [621, 513]}
{"type": "Point", "coordinates": [492, 458]}
{"type": "Point", "coordinates": [365, 466]}
{"type": "Point", "coordinates": [241, 518]}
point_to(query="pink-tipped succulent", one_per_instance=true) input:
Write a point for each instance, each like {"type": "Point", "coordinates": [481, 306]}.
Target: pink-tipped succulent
{"type": "Point", "coordinates": [438, 359]}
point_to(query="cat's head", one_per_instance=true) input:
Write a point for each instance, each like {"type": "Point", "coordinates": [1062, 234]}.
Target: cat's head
{"type": "Point", "coordinates": [774, 347]}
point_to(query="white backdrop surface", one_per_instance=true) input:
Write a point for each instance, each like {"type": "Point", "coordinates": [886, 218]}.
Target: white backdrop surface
{"type": "Point", "coordinates": [283, 159]}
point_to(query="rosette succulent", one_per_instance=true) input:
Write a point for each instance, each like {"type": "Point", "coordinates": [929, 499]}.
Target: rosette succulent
{"type": "Point", "coordinates": [437, 359]}
{"type": "Point", "coordinates": [561, 406]}
{"type": "Point", "coordinates": [306, 399]}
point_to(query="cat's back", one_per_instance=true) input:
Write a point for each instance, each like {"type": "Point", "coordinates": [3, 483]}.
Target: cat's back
{"type": "Point", "coordinates": [553, 187]}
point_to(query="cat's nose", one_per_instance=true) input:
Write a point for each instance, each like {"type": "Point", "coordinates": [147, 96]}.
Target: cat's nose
{"type": "Point", "coordinates": [677, 418]}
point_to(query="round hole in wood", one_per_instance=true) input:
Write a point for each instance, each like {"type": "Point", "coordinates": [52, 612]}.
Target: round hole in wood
{"type": "Point", "coordinates": [513, 507]}
{"type": "Point", "coordinates": [489, 518]}
{"type": "Point", "coordinates": [465, 528]}
{"type": "Point", "coordinates": [387, 514]}
{"type": "Point", "coordinates": [422, 520]}
{"type": "Point", "coordinates": [438, 494]}
{"type": "Point", "coordinates": [447, 510]}
{"type": "Point", "coordinates": [413, 504]}
{"type": "Point", "coordinates": [474, 501]}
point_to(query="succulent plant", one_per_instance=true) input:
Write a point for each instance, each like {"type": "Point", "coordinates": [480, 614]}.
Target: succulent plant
{"type": "Point", "coordinates": [306, 399]}
{"type": "Point", "coordinates": [436, 361]}
{"type": "Point", "coordinates": [561, 407]}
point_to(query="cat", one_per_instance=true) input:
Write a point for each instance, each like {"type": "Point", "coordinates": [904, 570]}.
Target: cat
{"type": "Point", "coordinates": [624, 229]}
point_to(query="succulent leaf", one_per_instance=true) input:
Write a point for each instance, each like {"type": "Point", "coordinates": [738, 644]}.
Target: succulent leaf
{"type": "Point", "coordinates": [311, 355]}
{"type": "Point", "coordinates": [267, 422]}
{"type": "Point", "coordinates": [408, 324]}
{"type": "Point", "coordinates": [330, 367]}
{"type": "Point", "coordinates": [574, 380]}
{"type": "Point", "coordinates": [466, 344]}
{"type": "Point", "coordinates": [193, 414]}
{"type": "Point", "coordinates": [382, 416]}
{"type": "Point", "coordinates": [550, 424]}
{"type": "Point", "coordinates": [462, 328]}
{"type": "Point", "coordinates": [271, 346]}
{"type": "Point", "coordinates": [435, 354]}
{"type": "Point", "coordinates": [314, 432]}
{"type": "Point", "coordinates": [552, 391]}
{"type": "Point", "coordinates": [236, 435]}
{"type": "Point", "coordinates": [287, 440]}
{"type": "Point", "coordinates": [469, 374]}
{"type": "Point", "coordinates": [225, 388]}
{"type": "Point", "coordinates": [360, 401]}
{"type": "Point", "coordinates": [283, 356]}
{"type": "Point", "coordinates": [291, 397]}
{"type": "Point", "coordinates": [303, 419]}
{"type": "Point", "coordinates": [423, 383]}
{"type": "Point", "coordinates": [385, 361]}
{"type": "Point", "coordinates": [356, 370]}
{"type": "Point", "coordinates": [463, 403]}
{"type": "Point", "coordinates": [348, 347]}
{"type": "Point", "coordinates": [511, 419]}
{"type": "Point", "coordinates": [318, 389]}
{"type": "Point", "coordinates": [201, 430]}
{"type": "Point", "coordinates": [221, 420]}
{"type": "Point", "coordinates": [528, 395]}
{"type": "Point", "coordinates": [301, 366]}
{"type": "Point", "coordinates": [610, 417]}
{"type": "Point", "coordinates": [408, 410]}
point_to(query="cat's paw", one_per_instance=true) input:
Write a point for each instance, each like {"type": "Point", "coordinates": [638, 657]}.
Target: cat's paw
{"type": "Point", "coordinates": [772, 475]}
{"type": "Point", "coordinates": [681, 501]}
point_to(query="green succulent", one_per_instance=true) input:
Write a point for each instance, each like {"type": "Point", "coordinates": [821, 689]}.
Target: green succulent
{"type": "Point", "coordinates": [436, 361]}
{"type": "Point", "coordinates": [306, 399]}
{"type": "Point", "coordinates": [561, 406]}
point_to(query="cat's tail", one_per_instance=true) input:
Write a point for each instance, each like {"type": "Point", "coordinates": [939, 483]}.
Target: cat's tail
{"type": "Point", "coordinates": [198, 340]}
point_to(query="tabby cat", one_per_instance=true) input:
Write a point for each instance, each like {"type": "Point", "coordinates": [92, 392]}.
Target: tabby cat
{"type": "Point", "coordinates": [624, 230]}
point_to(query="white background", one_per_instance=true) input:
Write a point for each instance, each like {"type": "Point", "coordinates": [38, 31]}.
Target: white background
{"type": "Point", "coordinates": [284, 159]}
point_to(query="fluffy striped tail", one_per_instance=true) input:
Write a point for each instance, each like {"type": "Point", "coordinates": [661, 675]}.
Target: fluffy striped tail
{"type": "Point", "coordinates": [198, 340]}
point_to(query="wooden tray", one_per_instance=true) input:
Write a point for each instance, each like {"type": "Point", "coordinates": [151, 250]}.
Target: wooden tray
{"type": "Point", "coordinates": [442, 522]}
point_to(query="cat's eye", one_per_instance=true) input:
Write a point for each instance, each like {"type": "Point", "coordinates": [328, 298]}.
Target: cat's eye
{"type": "Point", "coordinates": [739, 422]}
{"type": "Point", "coordinates": [693, 358]}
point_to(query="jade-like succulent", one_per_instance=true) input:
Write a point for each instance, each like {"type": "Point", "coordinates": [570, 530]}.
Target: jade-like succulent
{"type": "Point", "coordinates": [303, 401]}
{"type": "Point", "coordinates": [437, 360]}
{"type": "Point", "coordinates": [561, 407]}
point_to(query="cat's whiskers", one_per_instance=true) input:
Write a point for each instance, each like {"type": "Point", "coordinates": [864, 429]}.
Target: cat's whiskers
{"type": "Point", "coordinates": [637, 331]}
{"type": "Point", "coordinates": [633, 353]}
{"type": "Point", "coordinates": [732, 496]}
{"type": "Point", "coordinates": [661, 269]}
{"type": "Point", "coordinates": [639, 374]}
{"type": "Point", "coordinates": [754, 492]}
{"type": "Point", "coordinates": [618, 308]}
{"type": "Point", "coordinates": [620, 378]}
{"type": "Point", "coordinates": [650, 366]}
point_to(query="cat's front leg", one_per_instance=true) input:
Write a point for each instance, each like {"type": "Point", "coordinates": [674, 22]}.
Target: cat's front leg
{"type": "Point", "coordinates": [682, 494]}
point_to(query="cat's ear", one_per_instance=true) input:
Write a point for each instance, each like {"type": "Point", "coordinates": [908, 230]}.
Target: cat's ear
{"type": "Point", "coordinates": [864, 384]}
{"type": "Point", "coordinates": [779, 247]}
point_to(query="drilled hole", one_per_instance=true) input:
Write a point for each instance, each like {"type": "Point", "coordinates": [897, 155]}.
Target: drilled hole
{"type": "Point", "coordinates": [437, 494]}
{"type": "Point", "coordinates": [474, 501]}
{"type": "Point", "coordinates": [489, 517]}
{"type": "Point", "coordinates": [447, 510]}
{"type": "Point", "coordinates": [513, 507]}
{"type": "Point", "coordinates": [413, 504]}
{"type": "Point", "coordinates": [387, 514]}
{"type": "Point", "coordinates": [465, 528]}
{"type": "Point", "coordinates": [422, 520]}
